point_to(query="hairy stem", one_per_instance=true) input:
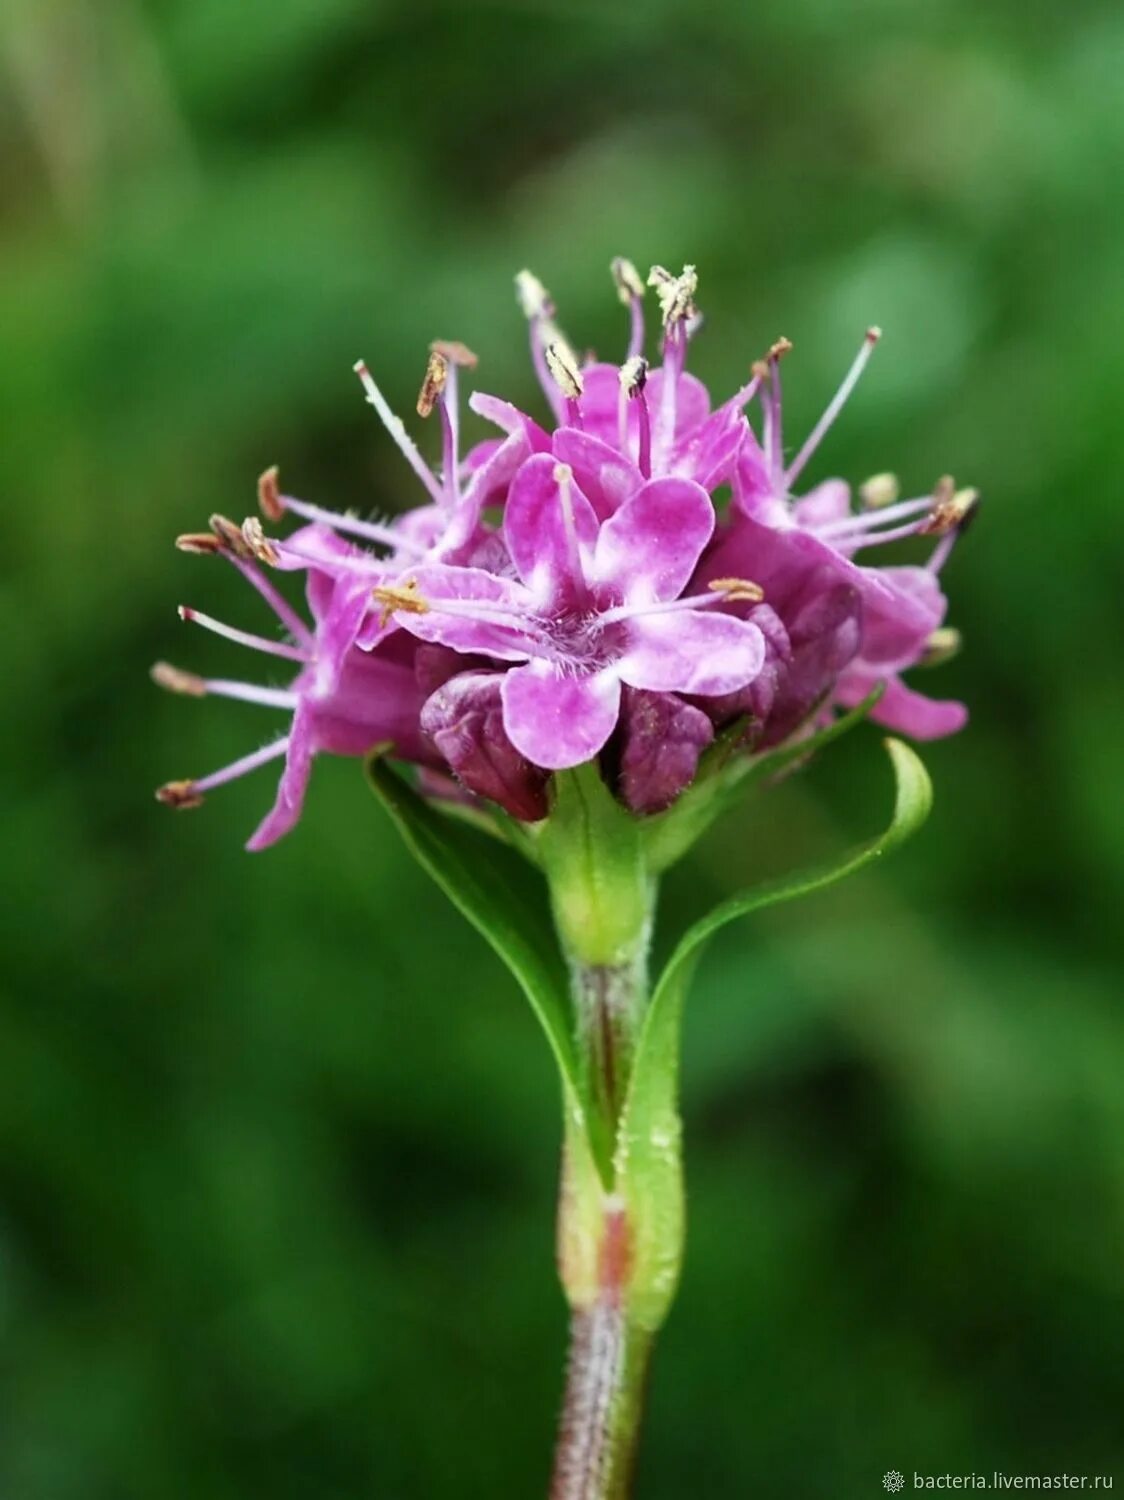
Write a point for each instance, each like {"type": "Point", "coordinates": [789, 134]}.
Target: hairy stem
{"type": "Point", "coordinates": [601, 1413]}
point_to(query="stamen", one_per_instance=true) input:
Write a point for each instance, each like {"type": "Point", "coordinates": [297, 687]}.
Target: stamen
{"type": "Point", "coordinates": [243, 637]}
{"type": "Point", "coordinates": [738, 590]}
{"type": "Point", "coordinates": [280, 607]}
{"type": "Point", "coordinates": [397, 431]}
{"type": "Point", "coordinates": [879, 490]}
{"type": "Point", "coordinates": [458, 357]}
{"type": "Point", "coordinates": [633, 379]}
{"type": "Point", "coordinates": [941, 646]}
{"type": "Point", "coordinates": [770, 370]}
{"type": "Point", "coordinates": [229, 535]}
{"type": "Point", "coordinates": [630, 290]}
{"type": "Point", "coordinates": [952, 508]}
{"type": "Point", "coordinates": [179, 794]}
{"type": "Point", "coordinates": [258, 543]}
{"type": "Point", "coordinates": [563, 477]}
{"type": "Point", "coordinates": [723, 591]}
{"type": "Point", "coordinates": [563, 366]}
{"type": "Point", "coordinates": [676, 294]}
{"type": "Point", "coordinates": [404, 597]}
{"type": "Point", "coordinates": [564, 370]}
{"type": "Point", "coordinates": [433, 386]}
{"type": "Point", "coordinates": [371, 531]}
{"type": "Point", "coordinates": [538, 309]}
{"type": "Point", "coordinates": [189, 793]}
{"type": "Point", "coordinates": [199, 543]}
{"type": "Point", "coordinates": [867, 521]}
{"type": "Point", "coordinates": [958, 508]}
{"type": "Point", "coordinates": [835, 405]}
{"type": "Point", "coordinates": [173, 680]}
{"type": "Point", "coordinates": [269, 494]}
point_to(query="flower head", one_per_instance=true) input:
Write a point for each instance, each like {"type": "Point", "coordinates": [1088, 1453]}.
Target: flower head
{"type": "Point", "coordinates": [572, 592]}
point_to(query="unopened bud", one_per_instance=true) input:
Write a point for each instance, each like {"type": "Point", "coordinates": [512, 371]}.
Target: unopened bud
{"type": "Point", "coordinates": [269, 494]}
{"type": "Point", "coordinates": [436, 374]}
{"type": "Point", "coordinates": [173, 680]}
{"type": "Point", "coordinates": [634, 376]}
{"type": "Point", "coordinates": [627, 279]}
{"type": "Point", "coordinates": [563, 366]}
{"type": "Point", "coordinates": [879, 490]}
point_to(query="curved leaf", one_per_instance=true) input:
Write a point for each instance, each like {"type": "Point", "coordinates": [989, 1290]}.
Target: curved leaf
{"type": "Point", "coordinates": [503, 899]}
{"type": "Point", "coordinates": [648, 1164]}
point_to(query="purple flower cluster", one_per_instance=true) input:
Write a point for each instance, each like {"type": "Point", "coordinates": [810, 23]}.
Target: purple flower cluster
{"type": "Point", "coordinates": [580, 591]}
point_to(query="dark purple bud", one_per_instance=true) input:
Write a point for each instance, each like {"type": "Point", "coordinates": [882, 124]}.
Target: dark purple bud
{"type": "Point", "coordinates": [662, 738]}
{"type": "Point", "coordinates": [464, 719]}
{"type": "Point", "coordinates": [824, 636]}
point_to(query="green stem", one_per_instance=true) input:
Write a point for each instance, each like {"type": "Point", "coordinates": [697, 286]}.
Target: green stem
{"type": "Point", "coordinates": [604, 1402]}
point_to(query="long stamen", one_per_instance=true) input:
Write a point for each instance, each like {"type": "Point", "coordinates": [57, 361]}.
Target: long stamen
{"type": "Point", "coordinates": [773, 434]}
{"type": "Point", "coordinates": [189, 793]}
{"type": "Point", "coordinates": [633, 379]}
{"type": "Point", "coordinates": [398, 432]}
{"type": "Point", "coordinates": [564, 371]}
{"type": "Point", "coordinates": [723, 591]}
{"type": "Point", "coordinates": [676, 296]}
{"type": "Point", "coordinates": [371, 531]}
{"type": "Point", "coordinates": [834, 406]}
{"type": "Point", "coordinates": [437, 388]}
{"type": "Point", "coordinates": [173, 680]}
{"type": "Point", "coordinates": [208, 543]}
{"type": "Point", "coordinates": [244, 637]}
{"type": "Point", "coordinates": [563, 476]}
{"type": "Point", "coordinates": [630, 290]}
{"type": "Point", "coordinates": [868, 520]}
{"type": "Point", "coordinates": [538, 309]}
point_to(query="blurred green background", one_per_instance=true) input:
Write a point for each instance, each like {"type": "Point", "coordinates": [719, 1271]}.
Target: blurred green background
{"type": "Point", "coordinates": [277, 1135]}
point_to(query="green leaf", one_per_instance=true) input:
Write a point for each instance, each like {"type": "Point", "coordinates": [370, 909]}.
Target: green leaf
{"type": "Point", "coordinates": [648, 1162]}
{"type": "Point", "coordinates": [504, 900]}
{"type": "Point", "coordinates": [724, 781]}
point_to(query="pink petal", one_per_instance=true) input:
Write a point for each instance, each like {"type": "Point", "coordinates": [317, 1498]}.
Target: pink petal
{"type": "Point", "coordinates": [547, 548]}
{"type": "Point", "coordinates": [829, 501]}
{"type": "Point", "coordinates": [558, 720]}
{"type": "Point", "coordinates": [902, 709]}
{"type": "Point", "coordinates": [505, 635]}
{"type": "Point", "coordinates": [648, 550]}
{"type": "Point", "coordinates": [604, 474]}
{"type": "Point", "coordinates": [285, 811]}
{"type": "Point", "coordinates": [691, 651]}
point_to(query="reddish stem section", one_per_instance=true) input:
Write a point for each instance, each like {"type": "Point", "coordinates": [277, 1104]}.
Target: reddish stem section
{"type": "Point", "coordinates": [602, 1408]}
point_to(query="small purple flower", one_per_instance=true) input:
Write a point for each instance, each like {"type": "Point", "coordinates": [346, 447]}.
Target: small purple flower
{"type": "Point", "coordinates": [342, 700]}
{"type": "Point", "coordinates": [594, 605]}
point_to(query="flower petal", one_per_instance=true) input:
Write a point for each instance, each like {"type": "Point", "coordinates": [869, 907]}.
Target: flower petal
{"type": "Point", "coordinates": [558, 720]}
{"type": "Point", "coordinates": [648, 550]}
{"type": "Point", "coordinates": [604, 474]}
{"type": "Point", "coordinates": [661, 742]}
{"type": "Point", "coordinates": [286, 810]}
{"type": "Point", "coordinates": [691, 651]}
{"type": "Point", "coordinates": [550, 548]}
{"type": "Point", "coordinates": [902, 709]}
{"type": "Point", "coordinates": [503, 626]}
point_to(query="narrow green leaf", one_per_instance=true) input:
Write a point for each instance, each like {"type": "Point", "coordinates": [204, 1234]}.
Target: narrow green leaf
{"type": "Point", "coordinates": [649, 1170]}
{"type": "Point", "coordinates": [501, 896]}
{"type": "Point", "coordinates": [723, 781]}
